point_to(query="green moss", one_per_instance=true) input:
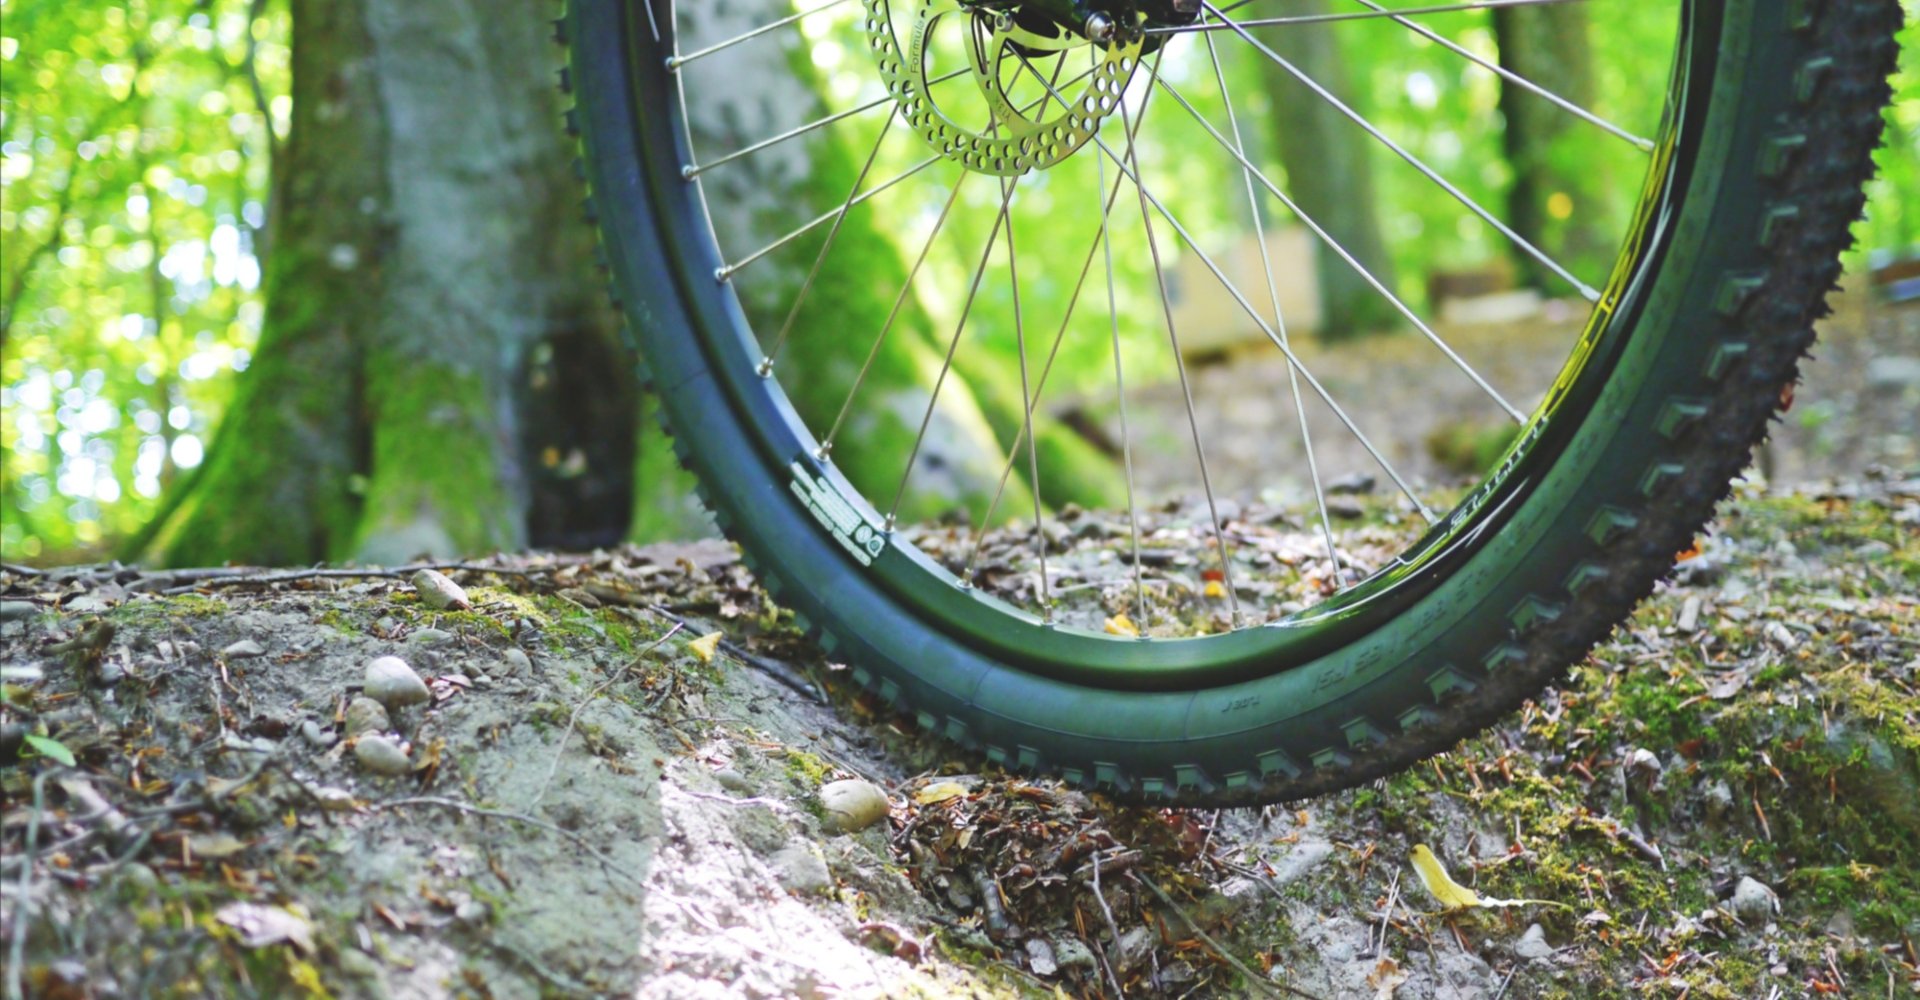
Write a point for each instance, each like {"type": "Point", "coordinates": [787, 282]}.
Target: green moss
{"type": "Point", "coordinates": [434, 483]}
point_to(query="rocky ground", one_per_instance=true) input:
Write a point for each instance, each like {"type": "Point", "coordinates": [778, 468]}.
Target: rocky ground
{"type": "Point", "coordinates": [625, 773]}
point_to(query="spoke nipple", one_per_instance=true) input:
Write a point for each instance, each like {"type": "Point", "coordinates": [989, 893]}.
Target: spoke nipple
{"type": "Point", "coordinates": [673, 62]}
{"type": "Point", "coordinates": [721, 274]}
{"type": "Point", "coordinates": [764, 368]}
{"type": "Point", "coordinates": [687, 171]}
{"type": "Point", "coordinates": [824, 452]}
{"type": "Point", "coordinates": [889, 524]}
{"type": "Point", "coordinates": [966, 581]}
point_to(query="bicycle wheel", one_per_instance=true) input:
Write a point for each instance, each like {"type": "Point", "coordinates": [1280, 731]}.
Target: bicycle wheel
{"type": "Point", "coordinates": [1750, 173]}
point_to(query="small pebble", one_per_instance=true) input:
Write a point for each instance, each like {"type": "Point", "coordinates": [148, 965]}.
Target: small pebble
{"type": "Point", "coordinates": [318, 736]}
{"type": "Point", "coordinates": [515, 662]}
{"type": "Point", "coordinates": [336, 799]}
{"type": "Point", "coordinates": [429, 636]}
{"type": "Point", "coordinates": [1040, 957]}
{"type": "Point", "coordinates": [438, 592]}
{"type": "Point", "coordinates": [733, 781]}
{"type": "Point", "coordinates": [852, 804]}
{"type": "Point", "coordinates": [1753, 901]}
{"type": "Point", "coordinates": [243, 649]}
{"type": "Point", "coordinates": [364, 715]}
{"type": "Point", "coordinates": [471, 913]}
{"type": "Point", "coordinates": [392, 683]}
{"type": "Point", "coordinates": [1533, 944]}
{"type": "Point", "coordinates": [380, 755]}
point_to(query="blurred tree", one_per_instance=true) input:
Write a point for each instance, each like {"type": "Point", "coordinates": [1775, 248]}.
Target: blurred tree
{"type": "Point", "coordinates": [1329, 165]}
{"type": "Point", "coordinates": [1558, 198]}
{"type": "Point", "coordinates": [435, 372]}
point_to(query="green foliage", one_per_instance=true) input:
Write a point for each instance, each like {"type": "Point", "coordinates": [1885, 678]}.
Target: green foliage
{"type": "Point", "coordinates": [134, 158]}
{"type": "Point", "coordinates": [136, 138]}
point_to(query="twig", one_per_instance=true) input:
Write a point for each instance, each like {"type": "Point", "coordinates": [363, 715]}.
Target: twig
{"type": "Point", "coordinates": [1386, 918]}
{"type": "Point", "coordinates": [1112, 927]}
{"type": "Point", "coordinates": [1266, 985]}
{"type": "Point", "coordinates": [786, 675]}
{"type": "Point", "coordinates": [17, 948]}
{"type": "Point", "coordinates": [755, 800]}
{"type": "Point", "coordinates": [553, 767]}
{"type": "Point", "coordinates": [472, 810]}
{"type": "Point", "coordinates": [240, 577]}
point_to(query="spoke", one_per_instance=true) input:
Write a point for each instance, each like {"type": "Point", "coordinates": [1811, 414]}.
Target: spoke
{"type": "Point", "coordinates": [1254, 314]}
{"type": "Point", "coordinates": [727, 271]}
{"type": "Point", "coordinates": [1179, 362]}
{"type": "Point", "coordinates": [1120, 392]}
{"type": "Point", "coordinates": [1279, 321]}
{"type": "Point", "coordinates": [1059, 337]}
{"type": "Point", "coordinates": [1265, 22]}
{"type": "Point", "coordinates": [1353, 262]}
{"type": "Point", "coordinates": [766, 363]}
{"type": "Point", "coordinates": [906, 289]}
{"type": "Point", "coordinates": [692, 170]}
{"type": "Point", "coordinates": [1587, 291]}
{"type": "Point", "coordinates": [1645, 145]}
{"type": "Point", "coordinates": [1026, 401]}
{"type": "Point", "coordinates": [679, 60]}
{"type": "Point", "coordinates": [946, 364]}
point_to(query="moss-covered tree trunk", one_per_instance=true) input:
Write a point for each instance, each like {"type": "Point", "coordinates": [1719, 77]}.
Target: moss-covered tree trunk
{"type": "Point", "coordinates": [767, 87]}
{"type": "Point", "coordinates": [1556, 200]}
{"type": "Point", "coordinates": [1329, 165]}
{"type": "Point", "coordinates": [436, 372]}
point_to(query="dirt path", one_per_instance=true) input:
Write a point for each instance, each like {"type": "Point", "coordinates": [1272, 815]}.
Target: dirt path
{"type": "Point", "coordinates": [1858, 407]}
{"type": "Point", "coordinates": [1723, 802]}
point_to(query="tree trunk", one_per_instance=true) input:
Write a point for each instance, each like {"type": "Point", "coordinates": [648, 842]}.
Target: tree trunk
{"type": "Point", "coordinates": [430, 281]}
{"type": "Point", "coordinates": [1329, 166]}
{"type": "Point", "coordinates": [1557, 196]}
{"type": "Point", "coordinates": [755, 90]}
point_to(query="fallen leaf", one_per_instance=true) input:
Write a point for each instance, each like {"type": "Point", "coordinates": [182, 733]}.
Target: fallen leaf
{"type": "Point", "coordinates": [1452, 895]}
{"type": "Point", "coordinates": [215, 845]}
{"type": "Point", "coordinates": [704, 647]}
{"type": "Point", "coordinates": [260, 926]}
{"type": "Point", "coordinates": [939, 791]}
{"type": "Point", "coordinates": [1213, 589]}
{"type": "Point", "coordinates": [1122, 625]}
{"type": "Point", "coordinates": [1385, 978]}
{"type": "Point", "coordinates": [50, 748]}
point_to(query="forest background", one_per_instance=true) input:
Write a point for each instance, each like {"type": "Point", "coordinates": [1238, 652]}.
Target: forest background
{"type": "Point", "coordinates": [349, 231]}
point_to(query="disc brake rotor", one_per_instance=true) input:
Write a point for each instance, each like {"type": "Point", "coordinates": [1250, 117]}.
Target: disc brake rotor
{"type": "Point", "coordinates": [1016, 141]}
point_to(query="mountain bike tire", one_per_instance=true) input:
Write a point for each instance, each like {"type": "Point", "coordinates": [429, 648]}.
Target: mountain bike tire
{"type": "Point", "coordinates": [1774, 118]}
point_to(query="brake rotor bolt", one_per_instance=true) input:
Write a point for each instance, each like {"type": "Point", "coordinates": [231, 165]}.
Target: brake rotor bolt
{"type": "Point", "coordinates": [1099, 27]}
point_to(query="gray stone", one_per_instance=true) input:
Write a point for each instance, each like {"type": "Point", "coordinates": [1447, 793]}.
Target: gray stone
{"type": "Point", "coordinates": [392, 683]}
{"type": "Point", "coordinates": [852, 804]}
{"type": "Point", "coordinates": [16, 610]}
{"type": "Point", "coordinates": [1040, 957]}
{"type": "Point", "coordinates": [429, 636]}
{"type": "Point", "coordinates": [244, 649]}
{"type": "Point", "coordinates": [1893, 372]}
{"type": "Point", "coordinates": [318, 736]}
{"type": "Point", "coordinates": [381, 755]}
{"type": "Point", "coordinates": [1305, 857]}
{"type": "Point", "coordinates": [733, 781]}
{"type": "Point", "coordinates": [439, 592]}
{"type": "Point", "coordinates": [1533, 944]}
{"type": "Point", "coordinates": [1071, 953]}
{"type": "Point", "coordinates": [515, 662]}
{"type": "Point", "coordinates": [800, 868]}
{"type": "Point", "coordinates": [364, 715]}
{"type": "Point", "coordinates": [1718, 799]}
{"type": "Point", "coordinates": [1753, 901]}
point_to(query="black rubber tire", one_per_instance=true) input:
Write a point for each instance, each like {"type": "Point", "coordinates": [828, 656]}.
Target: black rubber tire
{"type": "Point", "coordinates": [1775, 166]}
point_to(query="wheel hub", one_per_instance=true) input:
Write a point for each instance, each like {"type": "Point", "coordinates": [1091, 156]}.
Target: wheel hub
{"type": "Point", "coordinates": [1002, 43]}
